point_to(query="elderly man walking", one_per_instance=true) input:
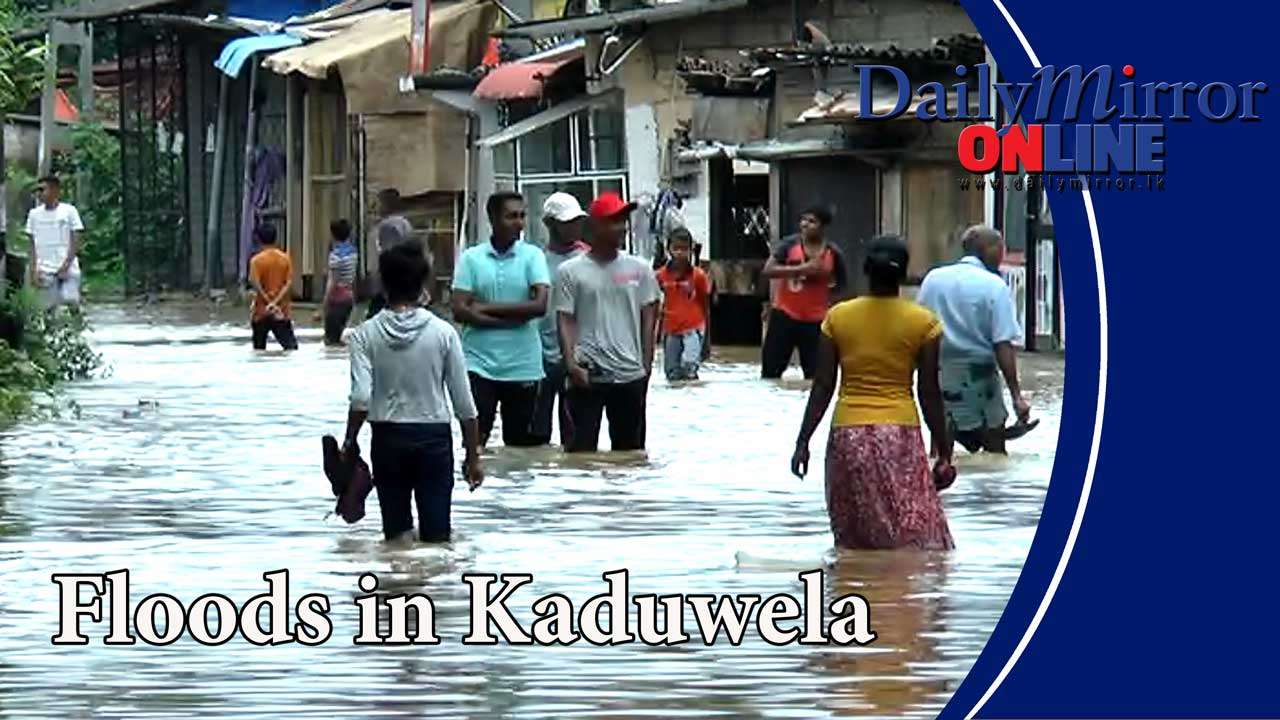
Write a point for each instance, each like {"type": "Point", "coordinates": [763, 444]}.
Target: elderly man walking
{"type": "Point", "coordinates": [979, 324]}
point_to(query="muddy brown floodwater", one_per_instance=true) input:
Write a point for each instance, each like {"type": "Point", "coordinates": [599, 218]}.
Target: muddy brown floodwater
{"type": "Point", "coordinates": [220, 482]}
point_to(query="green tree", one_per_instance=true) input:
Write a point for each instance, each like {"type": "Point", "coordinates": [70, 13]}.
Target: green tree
{"type": "Point", "coordinates": [21, 64]}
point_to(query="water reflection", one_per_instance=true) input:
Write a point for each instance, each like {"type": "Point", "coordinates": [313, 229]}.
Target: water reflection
{"type": "Point", "coordinates": [219, 482]}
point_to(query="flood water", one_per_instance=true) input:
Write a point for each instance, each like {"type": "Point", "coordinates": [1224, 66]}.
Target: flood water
{"type": "Point", "coordinates": [220, 482]}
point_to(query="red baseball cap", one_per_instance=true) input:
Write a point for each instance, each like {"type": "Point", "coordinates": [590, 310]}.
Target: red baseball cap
{"type": "Point", "coordinates": [609, 205]}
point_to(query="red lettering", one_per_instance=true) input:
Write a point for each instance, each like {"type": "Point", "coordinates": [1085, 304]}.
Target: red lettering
{"type": "Point", "coordinates": [967, 148]}
{"type": "Point", "coordinates": [1022, 146]}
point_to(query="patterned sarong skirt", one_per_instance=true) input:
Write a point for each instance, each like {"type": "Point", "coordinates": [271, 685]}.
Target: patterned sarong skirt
{"type": "Point", "coordinates": [880, 492]}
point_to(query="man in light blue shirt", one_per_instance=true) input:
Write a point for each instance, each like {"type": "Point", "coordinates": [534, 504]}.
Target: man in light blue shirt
{"type": "Point", "coordinates": [500, 291]}
{"type": "Point", "coordinates": [979, 326]}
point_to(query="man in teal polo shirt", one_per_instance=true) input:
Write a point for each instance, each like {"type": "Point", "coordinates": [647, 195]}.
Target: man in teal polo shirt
{"type": "Point", "coordinates": [500, 290]}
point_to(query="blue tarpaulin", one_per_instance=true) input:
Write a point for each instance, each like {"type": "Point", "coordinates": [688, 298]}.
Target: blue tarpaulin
{"type": "Point", "coordinates": [238, 51]}
{"type": "Point", "coordinates": [274, 10]}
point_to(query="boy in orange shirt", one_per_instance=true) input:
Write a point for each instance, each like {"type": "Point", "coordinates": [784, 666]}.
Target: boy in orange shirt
{"type": "Point", "coordinates": [686, 310]}
{"type": "Point", "coordinates": [271, 274]}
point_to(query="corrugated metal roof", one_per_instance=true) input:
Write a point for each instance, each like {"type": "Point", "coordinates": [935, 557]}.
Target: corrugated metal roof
{"type": "Point", "coordinates": [845, 107]}
{"type": "Point", "coordinates": [963, 47]}
{"type": "Point", "coordinates": [717, 77]}
{"type": "Point", "coordinates": [768, 150]}
{"type": "Point", "coordinates": [596, 22]}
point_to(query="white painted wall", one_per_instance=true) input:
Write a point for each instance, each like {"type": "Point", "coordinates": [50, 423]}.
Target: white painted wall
{"type": "Point", "coordinates": [644, 157]}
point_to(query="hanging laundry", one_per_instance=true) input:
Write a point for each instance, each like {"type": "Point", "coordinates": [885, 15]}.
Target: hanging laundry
{"type": "Point", "coordinates": [267, 169]}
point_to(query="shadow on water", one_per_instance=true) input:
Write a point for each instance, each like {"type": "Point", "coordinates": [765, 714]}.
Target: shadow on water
{"type": "Point", "coordinates": [214, 479]}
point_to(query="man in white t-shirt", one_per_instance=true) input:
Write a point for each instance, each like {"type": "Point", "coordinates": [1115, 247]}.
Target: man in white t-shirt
{"type": "Point", "coordinates": [55, 229]}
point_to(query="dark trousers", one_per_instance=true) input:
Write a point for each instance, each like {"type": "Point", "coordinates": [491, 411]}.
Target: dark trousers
{"type": "Point", "coordinates": [517, 400]}
{"type": "Point", "coordinates": [282, 330]}
{"type": "Point", "coordinates": [413, 465]}
{"type": "Point", "coordinates": [786, 334]}
{"type": "Point", "coordinates": [336, 315]}
{"type": "Point", "coordinates": [623, 403]}
{"type": "Point", "coordinates": [550, 390]}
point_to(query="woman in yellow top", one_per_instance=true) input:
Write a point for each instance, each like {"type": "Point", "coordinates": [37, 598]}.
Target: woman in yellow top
{"type": "Point", "coordinates": [880, 491]}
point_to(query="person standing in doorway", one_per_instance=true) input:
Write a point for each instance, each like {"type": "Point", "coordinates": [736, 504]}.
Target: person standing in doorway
{"type": "Point", "coordinates": [607, 304]}
{"type": "Point", "coordinates": [500, 289]}
{"type": "Point", "coordinates": [880, 491]}
{"type": "Point", "coordinates": [564, 218]}
{"type": "Point", "coordinates": [339, 296]}
{"type": "Point", "coordinates": [55, 229]}
{"type": "Point", "coordinates": [393, 228]}
{"type": "Point", "coordinates": [811, 274]}
{"type": "Point", "coordinates": [979, 323]}
{"type": "Point", "coordinates": [271, 276]}
{"type": "Point", "coordinates": [686, 310]}
{"type": "Point", "coordinates": [404, 363]}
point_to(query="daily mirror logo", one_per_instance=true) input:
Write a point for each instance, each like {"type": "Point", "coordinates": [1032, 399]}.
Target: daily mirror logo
{"type": "Point", "coordinates": [1135, 143]}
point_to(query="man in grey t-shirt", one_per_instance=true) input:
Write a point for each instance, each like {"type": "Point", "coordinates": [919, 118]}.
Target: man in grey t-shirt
{"type": "Point", "coordinates": [563, 218]}
{"type": "Point", "coordinates": [606, 305]}
{"type": "Point", "coordinates": [393, 229]}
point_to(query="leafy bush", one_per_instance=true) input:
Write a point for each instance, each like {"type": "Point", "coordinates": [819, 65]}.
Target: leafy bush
{"type": "Point", "coordinates": [21, 64]}
{"type": "Point", "coordinates": [53, 350]}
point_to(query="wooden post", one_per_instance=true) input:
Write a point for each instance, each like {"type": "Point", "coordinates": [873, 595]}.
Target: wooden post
{"type": "Point", "coordinates": [213, 246]}
{"type": "Point", "coordinates": [250, 140]}
{"type": "Point", "coordinates": [48, 99]}
{"type": "Point", "coordinates": [88, 113]}
{"type": "Point", "coordinates": [294, 217]}
{"type": "Point", "coordinates": [84, 80]}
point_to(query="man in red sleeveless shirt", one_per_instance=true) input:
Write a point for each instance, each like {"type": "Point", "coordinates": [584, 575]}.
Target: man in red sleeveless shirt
{"type": "Point", "coordinates": [810, 274]}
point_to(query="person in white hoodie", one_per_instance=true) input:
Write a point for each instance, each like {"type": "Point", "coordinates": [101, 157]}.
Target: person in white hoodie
{"type": "Point", "coordinates": [404, 362]}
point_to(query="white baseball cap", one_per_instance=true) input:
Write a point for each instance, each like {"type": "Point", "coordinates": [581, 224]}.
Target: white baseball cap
{"type": "Point", "coordinates": [562, 207]}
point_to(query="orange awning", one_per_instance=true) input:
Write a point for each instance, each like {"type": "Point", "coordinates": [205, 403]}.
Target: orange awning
{"type": "Point", "coordinates": [522, 80]}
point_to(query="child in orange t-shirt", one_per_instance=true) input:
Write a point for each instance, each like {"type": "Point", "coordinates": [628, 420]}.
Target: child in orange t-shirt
{"type": "Point", "coordinates": [686, 309]}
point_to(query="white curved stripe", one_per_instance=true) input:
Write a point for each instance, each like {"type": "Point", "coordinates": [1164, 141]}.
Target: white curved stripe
{"type": "Point", "coordinates": [1074, 534]}
{"type": "Point", "coordinates": [1031, 54]}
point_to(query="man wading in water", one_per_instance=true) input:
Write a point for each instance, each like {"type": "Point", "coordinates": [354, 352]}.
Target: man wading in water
{"type": "Point", "coordinates": [979, 323]}
{"type": "Point", "coordinates": [500, 290]}
{"type": "Point", "coordinates": [404, 362]}
{"type": "Point", "coordinates": [812, 275]}
{"type": "Point", "coordinates": [394, 228]}
{"type": "Point", "coordinates": [607, 305]}
{"type": "Point", "coordinates": [563, 217]}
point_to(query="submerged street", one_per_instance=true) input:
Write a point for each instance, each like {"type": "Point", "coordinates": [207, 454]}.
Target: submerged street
{"type": "Point", "coordinates": [195, 464]}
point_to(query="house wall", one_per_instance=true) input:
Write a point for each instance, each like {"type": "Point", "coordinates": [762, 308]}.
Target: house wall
{"type": "Point", "coordinates": [935, 211]}
{"type": "Point", "coordinates": [653, 88]}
